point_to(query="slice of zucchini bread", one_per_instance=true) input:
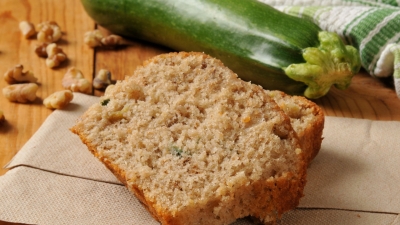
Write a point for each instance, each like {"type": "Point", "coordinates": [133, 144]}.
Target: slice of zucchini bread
{"type": "Point", "coordinates": [307, 120]}
{"type": "Point", "coordinates": [196, 144]}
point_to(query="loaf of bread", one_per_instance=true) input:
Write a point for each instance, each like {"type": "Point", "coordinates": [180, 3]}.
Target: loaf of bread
{"type": "Point", "coordinates": [196, 144]}
{"type": "Point", "coordinates": [306, 118]}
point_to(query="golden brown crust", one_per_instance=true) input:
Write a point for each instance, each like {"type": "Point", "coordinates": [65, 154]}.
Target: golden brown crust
{"type": "Point", "coordinates": [311, 138]}
{"type": "Point", "coordinates": [310, 135]}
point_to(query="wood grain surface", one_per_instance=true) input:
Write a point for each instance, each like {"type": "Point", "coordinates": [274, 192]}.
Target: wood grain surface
{"type": "Point", "coordinates": [367, 97]}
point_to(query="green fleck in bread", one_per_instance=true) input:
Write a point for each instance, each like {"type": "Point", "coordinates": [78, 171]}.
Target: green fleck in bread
{"type": "Point", "coordinates": [195, 144]}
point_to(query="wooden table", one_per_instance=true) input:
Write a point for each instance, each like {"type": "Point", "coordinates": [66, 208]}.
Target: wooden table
{"type": "Point", "coordinates": [367, 97]}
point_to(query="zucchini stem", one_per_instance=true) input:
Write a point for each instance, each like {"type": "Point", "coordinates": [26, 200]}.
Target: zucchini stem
{"type": "Point", "coordinates": [331, 63]}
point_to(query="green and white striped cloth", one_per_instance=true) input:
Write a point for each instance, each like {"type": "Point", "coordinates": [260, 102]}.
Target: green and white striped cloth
{"type": "Point", "coordinates": [372, 26]}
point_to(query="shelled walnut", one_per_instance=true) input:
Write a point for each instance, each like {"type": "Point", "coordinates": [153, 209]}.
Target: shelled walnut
{"type": "Point", "coordinates": [16, 75]}
{"type": "Point", "coordinates": [49, 32]}
{"type": "Point", "coordinates": [93, 38]}
{"type": "Point", "coordinates": [102, 79]}
{"type": "Point", "coordinates": [22, 93]}
{"type": "Point", "coordinates": [96, 39]}
{"type": "Point", "coordinates": [75, 81]}
{"type": "Point", "coordinates": [27, 29]}
{"type": "Point", "coordinates": [114, 40]}
{"type": "Point", "coordinates": [40, 50]}
{"type": "Point", "coordinates": [55, 55]}
{"type": "Point", "coordinates": [58, 100]}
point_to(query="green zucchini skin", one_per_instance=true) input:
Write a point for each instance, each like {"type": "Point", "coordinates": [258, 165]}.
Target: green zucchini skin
{"type": "Point", "coordinates": [253, 39]}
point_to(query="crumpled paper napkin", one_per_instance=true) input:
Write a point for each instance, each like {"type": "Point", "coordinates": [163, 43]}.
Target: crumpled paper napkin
{"type": "Point", "coordinates": [54, 179]}
{"type": "Point", "coordinates": [372, 26]}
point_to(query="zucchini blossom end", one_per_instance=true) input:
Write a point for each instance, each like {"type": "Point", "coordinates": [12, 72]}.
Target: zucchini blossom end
{"type": "Point", "coordinates": [331, 63]}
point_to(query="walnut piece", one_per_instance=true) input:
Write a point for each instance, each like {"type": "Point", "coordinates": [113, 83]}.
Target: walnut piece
{"type": "Point", "coordinates": [58, 100]}
{"type": "Point", "coordinates": [49, 32]}
{"type": "Point", "coordinates": [114, 40]}
{"type": "Point", "coordinates": [82, 85]}
{"type": "Point", "coordinates": [27, 29]}
{"type": "Point", "coordinates": [16, 75]}
{"type": "Point", "coordinates": [55, 55]}
{"type": "Point", "coordinates": [96, 39]}
{"type": "Point", "coordinates": [102, 79]}
{"type": "Point", "coordinates": [21, 93]}
{"type": "Point", "coordinates": [40, 50]}
{"type": "Point", "coordinates": [93, 38]}
{"type": "Point", "coordinates": [75, 81]}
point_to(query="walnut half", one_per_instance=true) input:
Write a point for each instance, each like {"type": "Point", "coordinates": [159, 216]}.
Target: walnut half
{"type": "Point", "coordinates": [16, 75]}
{"type": "Point", "coordinates": [102, 79]}
{"type": "Point", "coordinates": [49, 32]}
{"type": "Point", "coordinates": [27, 29]}
{"type": "Point", "coordinates": [75, 81]}
{"type": "Point", "coordinates": [22, 93]}
{"type": "Point", "coordinates": [58, 100]}
{"type": "Point", "coordinates": [55, 55]}
{"type": "Point", "coordinates": [96, 39]}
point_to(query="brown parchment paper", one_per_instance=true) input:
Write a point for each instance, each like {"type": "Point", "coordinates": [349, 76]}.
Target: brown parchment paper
{"type": "Point", "coordinates": [54, 179]}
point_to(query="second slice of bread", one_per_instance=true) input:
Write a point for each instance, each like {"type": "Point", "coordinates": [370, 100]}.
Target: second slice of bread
{"type": "Point", "coordinates": [196, 144]}
{"type": "Point", "coordinates": [307, 120]}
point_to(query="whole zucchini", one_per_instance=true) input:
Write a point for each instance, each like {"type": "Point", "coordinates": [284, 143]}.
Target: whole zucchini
{"type": "Point", "coordinates": [259, 43]}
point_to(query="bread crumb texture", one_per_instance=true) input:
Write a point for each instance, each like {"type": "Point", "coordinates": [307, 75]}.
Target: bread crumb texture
{"type": "Point", "coordinates": [196, 144]}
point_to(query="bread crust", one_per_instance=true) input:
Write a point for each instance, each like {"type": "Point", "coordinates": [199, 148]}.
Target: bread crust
{"type": "Point", "coordinates": [308, 121]}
